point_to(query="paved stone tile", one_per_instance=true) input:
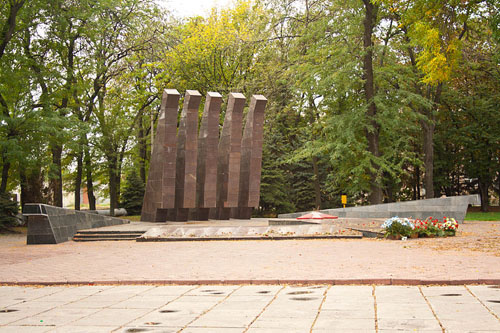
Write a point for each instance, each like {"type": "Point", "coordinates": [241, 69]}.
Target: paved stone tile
{"type": "Point", "coordinates": [287, 309]}
{"type": "Point", "coordinates": [285, 323]}
{"type": "Point", "coordinates": [489, 295]}
{"type": "Point", "coordinates": [224, 319]}
{"type": "Point", "coordinates": [11, 317]}
{"type": "Point", "coordinates": [133, 329]}
{"type": "Point", "coordinates": [212, 291]}
{"type": "Point", "coordinates": [27, 329]}
{"type": "Point", "coordinates": [326, 322]}
{"type": "Point", "coordinates": [168, 290]}
{"type": "Point", "coordinates": [143, 302]}
{"type": "Point", "coordinates": [273, 330]}
{"type": "Point", "coordinates": [412, 310]}
{"type": "Point", "coordinates": [399, 331]}
{"type": "Point", "coordinates": [257, 290]}
{"type": "Point", "coordinates": [55, 317]}
{"type": "Point", "coordinates": [128, 290]}
{"type": "Point", "coordinates": [409, 324]}
{"type": "Point", "coordinates": [462, 312]}
{"type": "Point", "coordinates": [85, 329]}
{"type": "Point", "coordinates": [93, 302]}
{"type": "Point", "coordinates": [398, 294]}
{"type": "Point", "coordinates": [111, 317]}
{"type": "Point", "coordinates": [214, 329]}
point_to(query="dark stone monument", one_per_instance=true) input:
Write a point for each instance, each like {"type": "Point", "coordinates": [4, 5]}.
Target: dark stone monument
{"type": "Point", "coordinates": [229, 156]}
{"type": "Point", "coordinates": [189, 177]}
{"type": "Point", "coordinates": [251, 159]}
{"type": "Point", "coordinates": [187, 147]}
{"type": "Point", "coordinates": [208, 137]}
{"type": "Point", "coordinates": [160, 188]}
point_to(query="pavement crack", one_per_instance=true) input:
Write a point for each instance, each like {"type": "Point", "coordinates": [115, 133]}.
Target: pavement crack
{"type": "Point", "coordinates": [319, 308]}
{"type": "Point", "coordinates": [482, 303]}
{"type": "Point", "coordinates": [209, 309]}
{"type": "Point", "coordinates": [432, 309]}
{"type": "Point", "coordinates": [263, 309]}
{"type": "Point", "coordinates": [375, 307]}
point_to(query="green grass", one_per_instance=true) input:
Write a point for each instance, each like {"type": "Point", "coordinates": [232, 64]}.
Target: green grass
{"type": "Point", "coordinates": [131, 217]}
{"type": "Point", "coordinates": [480, 216]}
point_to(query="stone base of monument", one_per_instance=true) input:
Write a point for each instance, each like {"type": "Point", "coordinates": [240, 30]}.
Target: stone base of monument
{"type": "Point", "coordinates": [184, 233]}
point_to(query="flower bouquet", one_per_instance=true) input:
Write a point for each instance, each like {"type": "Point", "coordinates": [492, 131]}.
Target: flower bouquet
{"type": "Point", "coordinates": [396, 227]}
{"type": "Point", "coordinates": [450, 226]}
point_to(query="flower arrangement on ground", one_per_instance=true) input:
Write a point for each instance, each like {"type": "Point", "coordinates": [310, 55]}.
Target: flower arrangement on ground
{"type": "Point", "coordinates": [396, 227]}
{"type": "Point", "coordinates": [450, 226]}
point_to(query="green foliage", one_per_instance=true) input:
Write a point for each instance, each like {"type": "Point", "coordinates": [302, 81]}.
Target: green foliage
{"type": "Point", "coordinates": [480, 216]}
{"type": "Point", "coordinates": [397, 228]}
{"type": "Point", "coordinates": [87, 77]}
{"type": "Point", "coordinates": [8, 210]}
{"type": "Point", "coordinates": [133, 193]}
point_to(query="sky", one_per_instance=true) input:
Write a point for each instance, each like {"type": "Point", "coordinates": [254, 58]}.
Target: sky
{"type": "Point", "coordinates": [187, 8]}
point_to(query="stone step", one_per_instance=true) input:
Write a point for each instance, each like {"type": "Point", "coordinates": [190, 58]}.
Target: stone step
{"type": "Point", "coordinates": [110, 232]}
{"type": "Point", "coordinates": [101, 239]}
{"type": "Point", "coordinates": [89, 235]}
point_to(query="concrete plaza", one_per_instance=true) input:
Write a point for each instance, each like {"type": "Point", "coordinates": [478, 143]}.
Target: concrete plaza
{"type": "Point", "coordinates": [254, 286]}
{"type": "Point", "coordinates": [250, 308]}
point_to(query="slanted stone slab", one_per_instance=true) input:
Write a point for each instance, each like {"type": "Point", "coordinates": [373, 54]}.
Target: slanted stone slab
{"type": "Point", "coordinates": [160, 187]}
{"type": "Point", "coordinates": [208, 137]}
{"type": "Point", "coordinates": [187, 146]}
{"type": "Point", "coordinates": [455, 207]}
{"type": "Point", "coordinates": [251, 158]}
{"type": "Point", "coordinates": [229, 156]}
{"type": "Point", "coordinates": [53, 225]}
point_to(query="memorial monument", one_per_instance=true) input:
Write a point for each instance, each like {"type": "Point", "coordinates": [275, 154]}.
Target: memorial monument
{"type": "Point", "coordinates": [194, 174]}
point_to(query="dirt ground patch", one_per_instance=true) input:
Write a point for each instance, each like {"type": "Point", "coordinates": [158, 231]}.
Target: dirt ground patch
{"type": "Point", "coordinates": [481, 236]}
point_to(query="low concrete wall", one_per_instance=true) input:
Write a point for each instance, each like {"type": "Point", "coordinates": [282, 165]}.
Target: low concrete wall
{"type": "Point", "coordinates": [455, 207]}
{"type": "Point", "coordinates": [53, 225]}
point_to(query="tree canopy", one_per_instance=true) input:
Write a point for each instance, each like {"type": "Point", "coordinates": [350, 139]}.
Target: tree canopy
{"type": "Point", "coordinates": [382, 100]}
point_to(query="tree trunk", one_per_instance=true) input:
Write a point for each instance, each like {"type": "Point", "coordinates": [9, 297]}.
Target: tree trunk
{"type": "Point", "coordinates": [428, 128]}
{"type": "Point", "coordinates": [78, 179]}
{"type": "Point", "coordinates": [142, 152]}
{"type": "Point", "coordinates": [5, 173]}
{"type": "Point", "coordinates": [55, 183]}
{"type": "Point", "coordinates": [31, 186]}
{"type": "Point", "coordinates": [112, 185]}
{"type": "Point", "coordinates": [372, 134]}
{"type": "Point", "coordinates": [483, 192]}
{"type": "Point", "coordinates": [90, 183]}
{"type": "Point", "coordinates": [317, 189]}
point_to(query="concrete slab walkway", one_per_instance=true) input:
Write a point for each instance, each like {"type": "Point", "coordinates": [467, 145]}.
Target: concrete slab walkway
{"type": "Point", "coordinates": [244, 308]}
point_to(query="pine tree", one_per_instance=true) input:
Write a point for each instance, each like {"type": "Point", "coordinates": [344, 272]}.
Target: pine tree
{"type": "Point", "coordinates": [133, 194]}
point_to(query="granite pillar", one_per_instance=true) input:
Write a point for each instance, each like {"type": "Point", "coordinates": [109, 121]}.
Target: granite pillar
{"type": "Point", "coordinates": [160, 186]}
{"type": "Point", "coordinates": [208, 137]}
{"type": "Point", "coordinates": [251, 159]}
{"type": "Point", "coordinates": [229, 155]}
{"type": "Point", "coordinates": [187, 146]}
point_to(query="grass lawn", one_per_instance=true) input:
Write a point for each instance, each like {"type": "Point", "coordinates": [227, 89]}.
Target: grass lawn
{"type": "Point", "coordinates": [131, 217]}
{"type": "Point", "coordinates": [480, 216]}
